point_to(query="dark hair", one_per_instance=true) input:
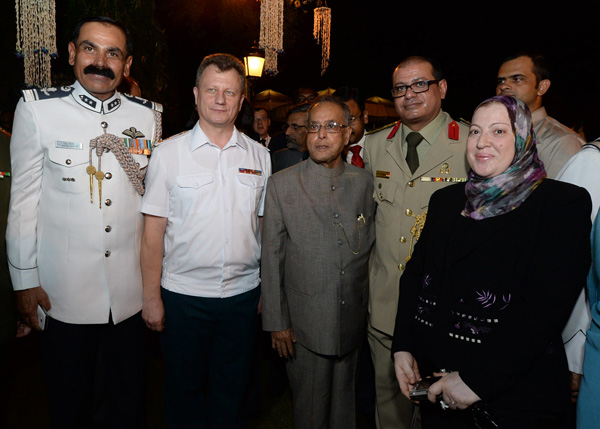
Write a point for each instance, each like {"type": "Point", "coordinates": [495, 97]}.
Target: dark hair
{"type": "Point", "coordinates": [303, 89]}
{"type": "Point", "coordinates": [541, 67]}
{"type": "Point", "coordinates": [107, 21]}
{"type": "Point", "coordinates": [224, 62]}
{"type": "Point", "coordinates": [436, 68]}
{"type": "Point", "coordinates": [333, 100]}
{"type": "Point", "coordinates": [245, 118]}
{"type": "Point", "coordinates": [258, 109]}
{"type": "Point", "coordinates": [347, 93]}
{"type": "Point", "coordinates": [299, 108]}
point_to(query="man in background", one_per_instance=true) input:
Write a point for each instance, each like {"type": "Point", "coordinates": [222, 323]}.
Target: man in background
{"type": "Point", "coordinates": [526, 76]}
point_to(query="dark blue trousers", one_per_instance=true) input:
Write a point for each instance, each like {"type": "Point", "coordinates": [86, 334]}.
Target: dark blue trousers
{"type": "Point", "coordinates": [207, 345]}
{"type": "Point", "coordinates": [95, 374]}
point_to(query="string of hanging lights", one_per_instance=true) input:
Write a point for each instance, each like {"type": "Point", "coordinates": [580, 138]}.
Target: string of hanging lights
{"type": "Point", "coordinates": [36, 39]}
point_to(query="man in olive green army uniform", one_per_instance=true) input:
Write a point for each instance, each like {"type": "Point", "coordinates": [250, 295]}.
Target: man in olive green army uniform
{"type": "Point", "coordinates": [409, 160]}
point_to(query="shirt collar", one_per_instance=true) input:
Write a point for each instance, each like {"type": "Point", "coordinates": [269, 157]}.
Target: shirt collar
{"type": "Point", "coordinates": [323, 171]}
{"type": "Point", "coordinates": [361, 142]}
{"type": "Point", "coordinates": [198, 138]}
{"type": "Point", "coordinates": [90, 102]}
{"type": "Point", "coordinates": [538, 115]}
{"type": "Point", "coordinates": [430, 131]}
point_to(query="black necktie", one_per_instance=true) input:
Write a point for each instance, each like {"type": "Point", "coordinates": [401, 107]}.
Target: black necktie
{"type": "Point", "coordinates": [412, 158]}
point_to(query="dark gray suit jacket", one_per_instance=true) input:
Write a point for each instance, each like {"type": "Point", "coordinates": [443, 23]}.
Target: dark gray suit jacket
{"type": "Point", "coordinates": [318, 233]}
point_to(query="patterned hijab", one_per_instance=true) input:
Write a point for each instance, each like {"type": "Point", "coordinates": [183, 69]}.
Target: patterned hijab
{"type": "Point", "coordinates": [489, 197]}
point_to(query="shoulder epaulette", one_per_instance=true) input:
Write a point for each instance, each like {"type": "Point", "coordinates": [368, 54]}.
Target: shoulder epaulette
{"type": "Point", "coordinates": [146, 103]}
{"type": "Point", "coordinates": [382, 128]}
{"type": "Point", "coordinates": [174, 136]}
{"type": "Point", "coordinates": [46, 93]}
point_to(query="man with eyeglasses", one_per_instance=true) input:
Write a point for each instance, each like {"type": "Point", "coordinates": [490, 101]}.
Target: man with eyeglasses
{"type": "Point", "coordinates": [261, 125]}
{"type": "Point", "coordinates": [526, 75]}
{"type": "Point", "coordinates": [358, 121]}
{"type": "Point", "coordinates": [295, 137]}
{"type": "Point", "coordinates": [409, 160]}
{"type": "Point", "coordinates": [318, 232]}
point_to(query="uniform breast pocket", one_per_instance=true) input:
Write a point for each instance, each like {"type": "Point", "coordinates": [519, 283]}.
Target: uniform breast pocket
{"type": "Point", "coordinates": [196, 193]}
{"type": "Point", "coordinates": [66, 169]}
{"type": "Point", "coordinates": [251, 187]}
{"type": "Point", "coordinates": [385, 195]}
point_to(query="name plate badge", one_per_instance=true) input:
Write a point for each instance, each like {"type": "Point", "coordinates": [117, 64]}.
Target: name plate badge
{"type": "Point", "coordinates": [69, 145]}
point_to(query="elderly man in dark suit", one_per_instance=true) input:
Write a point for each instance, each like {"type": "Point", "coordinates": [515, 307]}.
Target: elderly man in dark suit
{"type": "Point", "coordinates": [318, 233]}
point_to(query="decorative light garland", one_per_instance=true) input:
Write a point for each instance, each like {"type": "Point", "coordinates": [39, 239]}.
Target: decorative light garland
{"type": "Point", "coordinates": [322, 34]}
{"type": "Point", "coordinates": [36, 39]}
{"type": "Point", "coordinates": [271, 32]}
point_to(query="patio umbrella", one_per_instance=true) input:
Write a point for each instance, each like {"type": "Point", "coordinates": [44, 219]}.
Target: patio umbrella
{"type": "Point", "coordinates": [270, 99]}
{"type": "Point", "coordinates": [326, 91]}
{"type": "Point", "coordinates": [380, 107]}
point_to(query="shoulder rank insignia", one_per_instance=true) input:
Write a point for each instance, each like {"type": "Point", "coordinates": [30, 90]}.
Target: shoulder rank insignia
{"type": "Point", "coordinates": [147, 103]}
{"type": "Point", "coordinates": [46, 93]}
{"type": "Point", "coordinates": [393, 124]}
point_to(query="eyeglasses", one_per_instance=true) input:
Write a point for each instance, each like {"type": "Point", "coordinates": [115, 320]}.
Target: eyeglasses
{"type": "Point", "coordinates": [260, 119]}
{"type": "Point", "coordinates": [417, 87]}
{"type": "Point", "coordinates": [330, 127]}
{"type": "Point", "coordinates": [292, 126]}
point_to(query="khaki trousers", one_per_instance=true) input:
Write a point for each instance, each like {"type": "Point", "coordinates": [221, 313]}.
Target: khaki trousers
{"type": "Point", "coordinates": [392, 409]}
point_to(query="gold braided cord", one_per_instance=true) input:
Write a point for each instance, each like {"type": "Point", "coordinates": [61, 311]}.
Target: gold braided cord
{"type": "Point", "coordinates": [111, 142]}
{"type": "Point", "coordinates": [415, 231]}
{"type": "Point", "coordinates": [157, 128]}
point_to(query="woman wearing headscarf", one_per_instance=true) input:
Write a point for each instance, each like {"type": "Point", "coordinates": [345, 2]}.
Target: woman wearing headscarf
{"type": "Point", "coordinates": [491, 283]}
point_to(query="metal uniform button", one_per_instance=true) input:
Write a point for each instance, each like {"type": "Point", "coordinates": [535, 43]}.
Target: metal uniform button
{"type": "Point", "coordinates": [108, 201]}
{"type": "Point", "coordinates": [343, 302]}
{"type": "Point", "coordinates": [411, 183]}
{"type": "Point", "coordinates": [104, 125]}
{"type": "Point", "coordinates": [401, 267]}
{"type": "Point", "coordinates": [336, 215]}
{"type": "Point", "coordinates": [380, 196]}
{"type": "Point", "coordinates": [333, 187]}
{"type": "Point", "coordinates": [108, 176]}
{"type": "Point", "coordinates": [379, 186]}
{"type": "Point", "coordinates": [107, 253]}
{"type": "Point", "coordinates": [408, 212]}
{"type": "Point", "coordinates": [108, 228]}
{"type": "Point", "coordinates": [340, 242]}
{"type": "Point", "coordinates": [342, 272]}
{"type": "Point", "coordinates": [68, 162]}
{"type": "Point", "coordinates": [402, 240]}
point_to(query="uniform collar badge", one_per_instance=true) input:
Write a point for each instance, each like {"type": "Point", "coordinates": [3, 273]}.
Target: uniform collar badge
{"type": "Point", "coordinates": [90, 102]}
{"type": "Point", "coordinates": [453, 131]}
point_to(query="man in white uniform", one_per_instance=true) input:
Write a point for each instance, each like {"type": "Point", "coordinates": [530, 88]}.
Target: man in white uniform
{"type": "Point", "coordinates": [74, 228]}
{"type": "Point", "coordinates": [201, 243]}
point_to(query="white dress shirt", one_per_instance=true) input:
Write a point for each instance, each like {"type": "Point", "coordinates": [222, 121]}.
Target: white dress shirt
{"type": "Point", "coordinates": [212, 198]}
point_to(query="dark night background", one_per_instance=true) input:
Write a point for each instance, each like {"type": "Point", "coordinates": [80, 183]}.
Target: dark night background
{"type": "Point", "coordinates": [369, 38]}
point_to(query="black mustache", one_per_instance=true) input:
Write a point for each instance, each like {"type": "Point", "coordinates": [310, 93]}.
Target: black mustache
{"type": "Point", "coordinates": [102, 71]}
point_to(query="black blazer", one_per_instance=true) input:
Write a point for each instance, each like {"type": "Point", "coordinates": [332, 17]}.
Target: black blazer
{"type": "Point", "coordinates": [489, 298]}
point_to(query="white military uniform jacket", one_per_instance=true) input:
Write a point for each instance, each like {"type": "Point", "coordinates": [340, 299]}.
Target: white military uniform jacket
{"type": "Point", "coordinates": [402, 200]}
{"type": "Point", "coordinates": [582, 169]}
{"type": "Point", "coordinates": [85, 255]}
